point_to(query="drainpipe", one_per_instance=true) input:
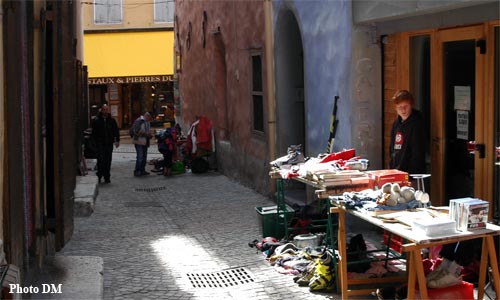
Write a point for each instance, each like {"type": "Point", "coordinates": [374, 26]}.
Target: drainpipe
{"type": "Point", "coordinates": [3, 136]}
{"type": "Point", "coordinates": [271, 105]}
{"type": "Point", "coordinates": [383, 41]}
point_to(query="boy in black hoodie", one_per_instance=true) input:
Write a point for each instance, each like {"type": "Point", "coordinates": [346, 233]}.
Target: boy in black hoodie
{"type": "Point", "coordinates": [407, 148]}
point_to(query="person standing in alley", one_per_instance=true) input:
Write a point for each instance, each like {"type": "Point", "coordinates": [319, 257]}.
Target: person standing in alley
{"type": "Point", "coordinates": [407, 147]}
{"type": "Point", "coordinates": [105, 133]}
{"type": "Point", "coordinates": [166, 140]}
{"type": "Point", "coordinates": [141, 137]}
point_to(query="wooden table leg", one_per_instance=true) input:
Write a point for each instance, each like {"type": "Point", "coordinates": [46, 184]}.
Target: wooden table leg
{"type": "Point", "coordinates": [483, 266]}
{"type": "Point", "coordinates": [330, 231]}
{"type": "Point", "coordinates": [488, 254]}
{"type": "Point", "coordinates": [410, 263]}
{"type": "Point", "coordinates": [418, 265]}
{"type": "Point", "coordinates": [415, 271]}
{"type": "Point", "coordinates": [343, 255]}
{"type": "Point", "coordinates": [494, 264]}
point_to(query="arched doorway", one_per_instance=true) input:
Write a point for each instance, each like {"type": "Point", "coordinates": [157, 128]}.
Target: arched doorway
{"type": "Point", "coordinates": [290, 98]}
{"type": "Point", "coordinates": [289, 68]}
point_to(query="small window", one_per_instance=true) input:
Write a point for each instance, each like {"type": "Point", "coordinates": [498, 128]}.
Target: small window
{"type": "Point", "coordinates": [107, 11]}
{"type": "Point", "coordinates": [164, 11]}
{"type": "Point", "coordinates": [257, 93]}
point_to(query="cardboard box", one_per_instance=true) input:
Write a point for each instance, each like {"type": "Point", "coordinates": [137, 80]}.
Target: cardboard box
{"type": "Point", "coordinates": [381, 177]}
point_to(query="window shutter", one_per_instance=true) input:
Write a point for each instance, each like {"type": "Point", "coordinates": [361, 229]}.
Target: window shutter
{"type": "Point", "coordinates": [107, 11]}
{"type": "Point", "coordinates": [164, 11]}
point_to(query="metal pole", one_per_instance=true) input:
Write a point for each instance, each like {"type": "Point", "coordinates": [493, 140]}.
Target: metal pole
{"type": "Point", "coordinates": [271, 105]}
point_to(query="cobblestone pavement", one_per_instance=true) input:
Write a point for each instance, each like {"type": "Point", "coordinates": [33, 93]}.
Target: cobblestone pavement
{"type": "Point", "coordinates": [159, 235]}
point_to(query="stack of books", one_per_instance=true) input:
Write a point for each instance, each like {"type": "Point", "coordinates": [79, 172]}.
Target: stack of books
{"type": "Point", "coordinates": [469, 213]}
{"type": "Point", "coordinates": [342, 178]}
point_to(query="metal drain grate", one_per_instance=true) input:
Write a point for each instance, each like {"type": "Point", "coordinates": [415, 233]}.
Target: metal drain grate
{"type": "Point", "coordinates": [143, 204]}
{"type": "Point", "coordinates": [151, 189]}
{"type": "Point", "coordinates": [222, 279]}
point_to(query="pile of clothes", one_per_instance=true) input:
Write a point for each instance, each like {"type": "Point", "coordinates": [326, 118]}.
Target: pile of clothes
{"type": "Point", "coordinates": [311, 267]}
{"type": "Point", "coordinates": [390, 197]}
{"type": "Point", "coordinates": [295, 164]}
{"type": "Point", "coordinates": [200, 144]}
{"type": "Point", "coordinates": [200, 138]}
{"type": "Point", "coordinates": [315, 267]}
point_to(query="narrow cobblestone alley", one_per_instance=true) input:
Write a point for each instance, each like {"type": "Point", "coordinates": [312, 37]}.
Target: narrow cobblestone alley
{"type": "Point", "coordinates": [156, 234]}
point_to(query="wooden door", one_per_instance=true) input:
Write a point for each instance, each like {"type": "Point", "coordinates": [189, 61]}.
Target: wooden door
{"type": "Point", "coordinates": [459, 106]}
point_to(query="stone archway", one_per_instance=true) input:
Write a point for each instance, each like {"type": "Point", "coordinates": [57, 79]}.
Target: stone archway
{"type": "Point", "coordinates": [289, 74]}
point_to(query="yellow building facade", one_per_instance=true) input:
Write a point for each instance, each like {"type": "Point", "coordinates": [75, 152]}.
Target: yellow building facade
{"type": "Point", "coordinates": [128, 50]}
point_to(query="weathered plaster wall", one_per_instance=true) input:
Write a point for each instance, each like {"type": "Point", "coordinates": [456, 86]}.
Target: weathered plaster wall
{"type": "Point", "coordinates": [366, 93]}
{"type": "Point", "coordinates": [342, 60]}
{"type": "Point", "coordinates": [398, 16]}
{"type": "Point", "coordinates": [325, 28]}
{"type": "Point", "coordinates": [215, 81]}
{"type": "Point", "coordinates": [367, 11]}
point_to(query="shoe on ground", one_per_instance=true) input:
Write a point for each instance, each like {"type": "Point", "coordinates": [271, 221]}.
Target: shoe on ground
{"type": "Point", "coordinates": [137, 174]}
{"type": "Point", "coordinates": [448, 273]}
{"type": "Point", "coordinates": [144, 173]}
{"type": "Point", "coordinates": [107, 180]}
{"type": "Point", "coordinates": [445, 280]}
{"type": "Point", "coordinates": [294, 156]}
{"type": "Point", "coordinates": [323, 278]}
{"type": "Point", "coordinates": [386, 293]}
{"type": "Point", "coordinates": [99, 178]}
{"type": "Point", "coordinates": [305, 277]}
{"type": "Point", "coordinates": [326, 258]}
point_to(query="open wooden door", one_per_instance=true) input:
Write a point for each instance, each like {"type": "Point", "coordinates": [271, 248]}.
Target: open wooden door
{"type": "Point", "coordinates": [460, 126]}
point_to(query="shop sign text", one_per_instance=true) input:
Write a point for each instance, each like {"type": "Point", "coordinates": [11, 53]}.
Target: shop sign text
{"type": "Point", "coordinates": [130, 79]}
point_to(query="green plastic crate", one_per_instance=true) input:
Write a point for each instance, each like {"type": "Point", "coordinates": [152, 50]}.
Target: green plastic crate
{"type": "Point", "coordinates": [273, 225]}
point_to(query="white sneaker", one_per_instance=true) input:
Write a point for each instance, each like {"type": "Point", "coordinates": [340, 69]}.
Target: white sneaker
{"type": "Point", "coordinates": [446, 274]}
{"type": "Point", "coordinates": [294, 156]}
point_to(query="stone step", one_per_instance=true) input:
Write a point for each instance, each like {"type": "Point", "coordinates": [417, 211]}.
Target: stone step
{"type": "Point", "coordinates": [70, 277]}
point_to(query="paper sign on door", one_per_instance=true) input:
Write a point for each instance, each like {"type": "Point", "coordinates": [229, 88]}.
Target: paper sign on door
{"type": "Point", "coordinates": [462, 97]}
{"type": "Point", "coordinates": [462, 125]}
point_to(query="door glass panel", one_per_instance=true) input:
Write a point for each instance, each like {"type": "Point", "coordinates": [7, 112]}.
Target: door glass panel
{"type": "Point", "coordinates": [459, 90]}
{"type": "Point", "coordinates": [420, 87]}
{"type": "Point", "coordinates": [496, 206]}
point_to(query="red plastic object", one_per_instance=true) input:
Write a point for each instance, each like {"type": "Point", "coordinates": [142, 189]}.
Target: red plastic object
{"type": "Point", "coordinates": [381, 177]}
{"type": "Point", "coordinates": [344, 155]}
{"type": "Point", "coordinates": [463, 291]}
{"type": "Point", "coordinates": [396, 241]}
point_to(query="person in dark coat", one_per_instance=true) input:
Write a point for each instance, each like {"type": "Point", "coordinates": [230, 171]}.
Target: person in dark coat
{"type": "Point", "coordinates": [105, 133]}
{"type": "Point", "coordinates": [407, 147]}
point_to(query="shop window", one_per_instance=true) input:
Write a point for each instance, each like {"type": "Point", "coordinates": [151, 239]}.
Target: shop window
{"type": "Point", "coordinates": [257, 93]}
{"type": "Point", "coordinates": [107, 11]}
{"type": "Point", "coordinates": [164, 11]}
{"type": "Point", "coordinates": [97, 97]}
